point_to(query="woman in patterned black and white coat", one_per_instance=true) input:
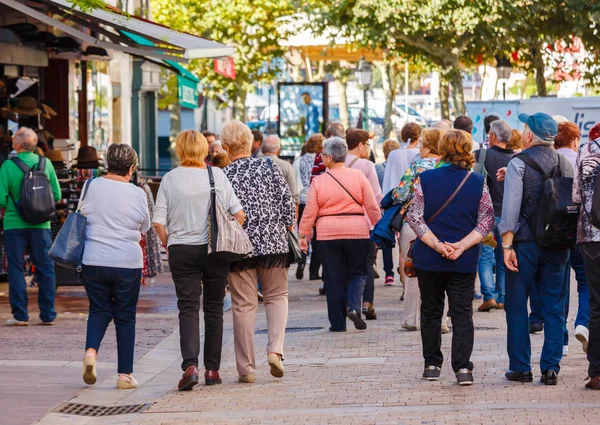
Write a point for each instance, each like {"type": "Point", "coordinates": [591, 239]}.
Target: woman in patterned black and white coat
{"type": "Point", "coordinates": [270, 211]}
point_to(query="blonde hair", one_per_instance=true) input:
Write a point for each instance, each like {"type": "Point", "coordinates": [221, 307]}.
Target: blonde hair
{"type": "Point", "coordinates": [455, 148]}
{"type": "Point", "coordinates": [431, 139]}
{"type": "Point", "coordinates": [191, 148]}
{"type": "Point", "coordinates": [390, 145]}
{"type": "Point", "coordinates": [516, 141]}
{"type": "Point", "coordinates": [237, 138]}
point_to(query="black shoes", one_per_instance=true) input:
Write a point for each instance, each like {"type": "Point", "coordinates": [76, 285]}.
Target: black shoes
{"type": "Point", "coordinates": [432, 373]}
{"type": "Point", "coordinates": [550, 377]}
{"type": "Point", "coordinates": [332, 329]}
{"type": "Point", "coordinates": [314, 277]}
{"type": "Point", "coordinates": [322, 290]}
{"type": "Point", "coordinates": [464, 377]}
{"type": "Point", "coordinates": [535, 327]}
{"type": "Point", "coordinates": [300, 271]}
{"type": "Point", "coordinates": [519, 376]}
{"type": "Point", "coordinates": [359, 323]}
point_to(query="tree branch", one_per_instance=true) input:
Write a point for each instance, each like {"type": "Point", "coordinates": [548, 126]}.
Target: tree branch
{"type": "Point", "coordinates": [440, 53]}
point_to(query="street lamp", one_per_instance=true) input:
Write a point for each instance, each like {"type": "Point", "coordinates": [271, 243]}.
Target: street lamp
{"type": "Point", "coordinates": [364, 74]}
{"type": "Point", "coordinates": [504, 69]}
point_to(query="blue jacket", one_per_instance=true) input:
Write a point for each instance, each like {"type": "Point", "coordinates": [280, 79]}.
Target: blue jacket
{"type": "Point", "coordinates": [382, 235]}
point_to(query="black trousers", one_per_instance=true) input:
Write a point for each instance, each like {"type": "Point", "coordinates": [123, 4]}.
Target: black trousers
{"type": "Point", "coordinates": [369, 292]}
{"type": "Point", "coordinates": [191, 270]}
{"type": "Point", "coordinates": [460, 288]}
{"type": "Point", "coordinates": [591, 258]}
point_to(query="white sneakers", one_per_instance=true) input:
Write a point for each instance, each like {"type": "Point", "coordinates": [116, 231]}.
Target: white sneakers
{"type": "Point", "coordinates": [14, 322]}
{"type": "Point", "coordinates": [565, 350]}
{"type": "Point", "coordinates": [582, 334]}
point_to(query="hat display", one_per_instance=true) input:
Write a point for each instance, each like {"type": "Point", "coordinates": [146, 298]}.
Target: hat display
{"type": "Point", "coordinates": [27, 106]}
{"type": "Point", "coordinates": [541, 124]}
{"type": "Point", "coordinates": [55, 155]}
{"type": "Point", "coordinates": [87, 157]}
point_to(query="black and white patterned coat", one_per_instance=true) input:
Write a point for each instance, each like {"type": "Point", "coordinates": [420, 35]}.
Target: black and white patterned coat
{"type": "Point", "coordinates": [584, 182]}
{"type": "Point", "coordinates": [263, 192]}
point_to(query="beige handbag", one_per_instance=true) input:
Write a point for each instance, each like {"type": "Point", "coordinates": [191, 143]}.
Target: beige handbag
{"type": "Point", "coordinates": [227, 240]}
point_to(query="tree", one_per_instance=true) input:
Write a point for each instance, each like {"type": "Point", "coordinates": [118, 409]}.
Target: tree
{"type": "Point", "coordinates": [443, 32]}
{"type": "Point", "coordinates": [87, 5]}
{"type": "Point", "coordinates": [254, 28]}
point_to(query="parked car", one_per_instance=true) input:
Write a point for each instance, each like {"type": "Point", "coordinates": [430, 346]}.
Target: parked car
{"type": "Point", "coordinates": [399, 117]}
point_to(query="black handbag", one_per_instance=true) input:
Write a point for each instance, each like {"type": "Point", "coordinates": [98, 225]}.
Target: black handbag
{"type": "Point", "coordinates": [398, 220]}
{"type": "Point", "coordinates": [295, 253]}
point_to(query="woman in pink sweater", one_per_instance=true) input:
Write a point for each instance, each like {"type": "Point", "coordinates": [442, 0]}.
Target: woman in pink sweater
{"type": "Point", "coordinates": [342, 204]}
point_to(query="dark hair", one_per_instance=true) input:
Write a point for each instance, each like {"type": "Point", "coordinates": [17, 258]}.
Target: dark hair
{"type": "Point", "coordinates": [258, 136]}
{"type": "Point", "coordinates": [335, 129]}
{"type": "Point", "coordinates": [208, 134]}
{"type": "Point", "coordinates": [120, 158]}
{"type": "Point", "coordinates": [464, 123]}
{"type": "Point", "coordinates": [487, 121]}
{"type": "Point", "coordinates": [356, 136]}
{"type": "Point", "coordinates": [305, 93]}
{"type": "Point", "coordinates": [411, 131]}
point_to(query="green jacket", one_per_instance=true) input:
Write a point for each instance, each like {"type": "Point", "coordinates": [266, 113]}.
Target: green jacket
{"type": "Point", "coordinates": [11, 178]}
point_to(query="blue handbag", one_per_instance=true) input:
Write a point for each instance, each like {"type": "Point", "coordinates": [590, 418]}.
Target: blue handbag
{"type": "Point", "coordinates": [67, 249]}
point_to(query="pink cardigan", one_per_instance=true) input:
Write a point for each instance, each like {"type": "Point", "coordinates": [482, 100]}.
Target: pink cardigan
{"type": "Point", "coordinates": [326, 198]}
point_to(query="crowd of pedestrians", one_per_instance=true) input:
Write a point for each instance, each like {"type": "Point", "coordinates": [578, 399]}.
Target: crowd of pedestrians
{"type": "Point", "coordinates": [518, 211]}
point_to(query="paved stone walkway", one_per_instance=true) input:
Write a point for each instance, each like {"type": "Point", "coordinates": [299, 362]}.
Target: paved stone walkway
{"type": "Point", "coordinates": [369, 377]}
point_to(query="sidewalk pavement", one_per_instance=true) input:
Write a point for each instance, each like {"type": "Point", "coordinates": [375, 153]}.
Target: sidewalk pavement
{"type": "Point", "coordinates": [368, 377]}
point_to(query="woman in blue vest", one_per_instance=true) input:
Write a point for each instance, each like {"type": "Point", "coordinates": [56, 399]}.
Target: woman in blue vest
{"type": "Point", "coordinates": [451, 213]}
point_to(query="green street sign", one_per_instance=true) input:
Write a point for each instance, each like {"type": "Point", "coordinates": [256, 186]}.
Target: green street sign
{"type": "Point", "coordinates": [187, 92]}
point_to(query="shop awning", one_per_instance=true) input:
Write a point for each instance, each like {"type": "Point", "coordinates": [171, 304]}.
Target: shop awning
{"type": "Point", "coordinates": [168, 44]}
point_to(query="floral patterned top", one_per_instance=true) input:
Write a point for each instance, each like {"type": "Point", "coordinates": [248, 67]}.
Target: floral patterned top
{"type": "Point", "coordinates": [406, 188]}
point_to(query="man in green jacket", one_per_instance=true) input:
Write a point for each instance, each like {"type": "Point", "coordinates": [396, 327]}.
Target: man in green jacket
{"type": "Point", "coordinates": [21, 236]}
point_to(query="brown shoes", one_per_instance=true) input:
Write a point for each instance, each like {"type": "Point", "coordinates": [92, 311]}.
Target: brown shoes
{"type": "Point", "coordinates": [594, 383]}
{"type": "Point", "coordinates": [211, 377]}
{"type": "Point", "coordinates": [369, 311]}
{"type": "Point", "coordinates": [247, 379]}
{"type": "Point", "coordinates": [189, 379]}
{"type": "Point", "coordinates": [488, 305]}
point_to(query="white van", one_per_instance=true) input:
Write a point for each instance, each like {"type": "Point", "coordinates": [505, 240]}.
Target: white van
{"type": "Point", "coordinates": [583, 111]}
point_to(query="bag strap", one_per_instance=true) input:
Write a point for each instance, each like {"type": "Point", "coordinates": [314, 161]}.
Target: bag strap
{"type": "Point", "coordinates": [84, 190]}
{"type": "Point", "coordinates": [353, 162]}
{"type": "Point", "coordinates": [338, 182]}
{"type": "Point", "coordinates": [41, 166]}
{"type": "Point", "coordinates": [482, 155]}
{"type": "Point", "coordinates": [21, 164]}
{"type": "Point", "coordinates": [534, 164]}
{"type": "Point", "coordinates": [462, 183]}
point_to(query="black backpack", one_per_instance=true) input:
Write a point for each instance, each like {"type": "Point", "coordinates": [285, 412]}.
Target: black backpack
{"type": "Point", "coordinates": [36, 204]}
{"type": "Point", "coordinates": [554, 224]}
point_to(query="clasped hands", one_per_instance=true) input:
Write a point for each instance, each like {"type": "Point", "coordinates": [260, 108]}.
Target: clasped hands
{"type": "Point", "coordinates": [451, 251]}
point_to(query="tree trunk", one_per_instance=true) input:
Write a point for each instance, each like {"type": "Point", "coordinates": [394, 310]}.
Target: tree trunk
{"type": "Point", "coordinates": [175, 118]}
{"type": "Point", "coordinates": [343, 104]}
{"type": "Point", "coordinates": [390, 88]}
{"type": "Point", "coordinates": [239, 106]}
{"type": "Point", "coordinates": [444, 97]}
{"type": "Point", "coordinates": [458, 96]}
{"type": "Point", "coordinates": [540, 69]}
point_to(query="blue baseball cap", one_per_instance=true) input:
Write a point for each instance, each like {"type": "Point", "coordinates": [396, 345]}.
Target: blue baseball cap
{"type": "Point", "coordinates": [541, 124]}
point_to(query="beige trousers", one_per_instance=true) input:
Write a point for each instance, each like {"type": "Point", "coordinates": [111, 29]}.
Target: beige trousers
{"type": "Point", "coordinates": [412, 293]}
{"type": "Point", "coordinates": [244, 300]}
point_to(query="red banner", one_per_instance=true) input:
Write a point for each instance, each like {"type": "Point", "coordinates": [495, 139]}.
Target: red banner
{"type": "Point", "coordinates": [225, 67]}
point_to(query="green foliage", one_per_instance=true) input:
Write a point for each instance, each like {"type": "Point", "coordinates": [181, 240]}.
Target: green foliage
{"type": "Point", "coordinates": [254, 28]}
{"type": "Point", "coordinates": [87, 5]}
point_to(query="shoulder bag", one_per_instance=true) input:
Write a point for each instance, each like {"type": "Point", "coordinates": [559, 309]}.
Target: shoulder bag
{"type": "Point", "coordinates": [67, 249]}
{"type": "Point", "coordinates": [409, 266]}
{"type": "Point", "coordinates": [227, 240]}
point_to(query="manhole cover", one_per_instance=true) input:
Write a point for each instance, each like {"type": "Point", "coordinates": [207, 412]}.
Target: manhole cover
{"type": "Point", "coordinates": [291, 330]}
{"type": "Point", "coordinates": [91, 410]}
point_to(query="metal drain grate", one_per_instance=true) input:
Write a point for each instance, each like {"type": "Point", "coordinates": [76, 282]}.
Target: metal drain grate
{"type": "Point", "coordinates": [91, 410]}
{"type": "Point", "coordinates": [291, 330]}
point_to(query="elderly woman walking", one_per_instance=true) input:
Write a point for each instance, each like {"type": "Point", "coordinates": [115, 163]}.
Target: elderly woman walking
{"type": "Point", "coordinates": [451, 213]}
{"type": "Point", "coordinates": [181, 222]}
{"type": "Point", "coordinates": [117, 214]}
{"type": "Point", "coordinates": [401, 194]}
{"type": "Point", "coordinates": [270, 212]}
{"type": "Point", "coordinates": [337, 202]}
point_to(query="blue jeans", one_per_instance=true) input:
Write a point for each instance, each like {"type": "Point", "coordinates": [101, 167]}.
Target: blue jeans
{"type": "Point", "coordinates": [543, 270]}
{"type": "Point", "coordinates": [583, 306]}
{"type": "Point", "coordinates": [388, 261]}
{"type": "Point", "coordinates": [37, 242]}
{"type": "Point", "coordinates": [345, 269]}
{"type": "Point", "coordinates": [500, 268]}
{"type": "Point", "coordinates": [113, 295]}
{"type": "Point", "coordinates": [486, 273]}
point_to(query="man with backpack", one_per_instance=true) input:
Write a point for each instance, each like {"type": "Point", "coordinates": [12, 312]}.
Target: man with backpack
{"type": "Point", "coordinates": [29, 189]}
{"type": "Point", "coordinates": [537, 193]}
{"type": "Point", "coordinates": [489, 161]}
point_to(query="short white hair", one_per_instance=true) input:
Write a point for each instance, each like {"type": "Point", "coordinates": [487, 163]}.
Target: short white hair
{"type": "Point", "coordinates": [26, 138]}
{"type": "Point", "coordinates": [502, 130]}
{"type": "Point", "coordinates": [271, 144]}
{"type": "Point", "coordinates": [337, 148]}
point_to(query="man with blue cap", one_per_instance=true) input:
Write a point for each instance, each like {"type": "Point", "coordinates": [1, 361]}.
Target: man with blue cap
{"type": "Point", "coordinates": [528, 266]}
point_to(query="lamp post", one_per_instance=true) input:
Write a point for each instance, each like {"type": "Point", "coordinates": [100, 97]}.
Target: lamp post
{"type": "Point", "coordinates": [504, 69]}
{"type": "Point", "coordinates": [364, 74]}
